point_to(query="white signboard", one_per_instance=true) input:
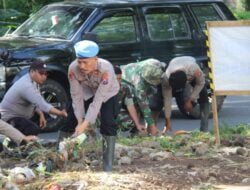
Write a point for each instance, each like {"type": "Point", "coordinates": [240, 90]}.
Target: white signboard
{"type": "Point", "coordinates": [229, 44]}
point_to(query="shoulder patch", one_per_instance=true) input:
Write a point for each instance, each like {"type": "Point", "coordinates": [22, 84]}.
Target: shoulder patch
{"type": "Point", "coordinates": [105, 78]}
{"type": "Point", "coordinates": [71, 75]}
{"type": "Point", "coordinates": [197, 73]}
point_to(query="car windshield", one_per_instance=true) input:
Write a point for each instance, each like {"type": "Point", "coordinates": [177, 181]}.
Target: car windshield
{"type": "Point", "coordinates": [54, 22]}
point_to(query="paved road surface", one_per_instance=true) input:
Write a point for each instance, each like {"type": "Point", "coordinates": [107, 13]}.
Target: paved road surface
{"type": "Point", "coordinates": [236, 110]}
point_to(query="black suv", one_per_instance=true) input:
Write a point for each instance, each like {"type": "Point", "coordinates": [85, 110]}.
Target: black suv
{"type": "Point", "coordinates": [126, 30]}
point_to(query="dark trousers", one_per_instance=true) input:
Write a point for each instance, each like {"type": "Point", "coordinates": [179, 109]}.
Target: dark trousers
{"type": "Point", "coordinates": [203, 96]}
{"type": "Point", "coordinates": [109, 111]}
{"type": "Point", "coordinates": [26, 126]}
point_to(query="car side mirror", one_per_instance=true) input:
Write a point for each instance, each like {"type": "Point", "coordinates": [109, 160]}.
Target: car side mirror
{"type": "Point", "coordinates": [89, 36]}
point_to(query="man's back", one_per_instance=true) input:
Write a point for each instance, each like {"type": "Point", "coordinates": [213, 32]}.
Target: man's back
{"type": "Point", "coordinates": [14, 103]}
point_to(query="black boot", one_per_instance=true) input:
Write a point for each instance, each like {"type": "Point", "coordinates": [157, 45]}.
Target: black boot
{"type": "Point", "coordinates": [204, 109]}
{"type": "Point", "coordinates": [108, 152]}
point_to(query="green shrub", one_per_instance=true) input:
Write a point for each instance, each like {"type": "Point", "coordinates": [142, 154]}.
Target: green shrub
{"type": "Point", "coordinates": [242, 15]}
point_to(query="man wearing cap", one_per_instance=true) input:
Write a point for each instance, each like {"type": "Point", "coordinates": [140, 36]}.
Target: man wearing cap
{"type": "Point", "coordinates": [144, 76]}
{"type": "Point", "coordinates": [93, 88]}
{"type": "Point", "coordinates": [180, 71]}
{"type": "Point", "coordinates": [23, 99]}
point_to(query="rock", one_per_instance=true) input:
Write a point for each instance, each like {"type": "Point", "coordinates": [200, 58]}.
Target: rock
{"type": "Point", "coordinates": [238, 140]}
{"type": "Point", "coordinates": [167, 166]}
{"type": "Point", "coordinates": [154, 145]}
{"type": "Point", "coordinates": [212, 180]}
{"type": "Point", "coordinates": [200, 148]}
{"type": "Point", "coordinates": [121, 150]}
{"type": "Point", "coordinates": [191, 179]}
{"type": "Point", "coordinates": [216, 167]}
{"type": "Point", "coordinates": [204, 174]}
{"type": "Point", "coordinates": [158, 156]}
{"type": "Point", "coordinates": [185, 139]}
{"type": "Point", "coordinates": [229, 150]}
{"type": "Point", "coordinates": [247, 143]}
{"type": "Point", "coordinates": [117, 154]}
{"type": "Point", "coordinates": [134, 154]}
{"type": "Point", "coordinates": [95, 163]}
{"type": "Point", "coordinates": [146, 151]}
{"type": "Point", "coordinates": [120, 146]}
{"type": "Point", "coordinates": [245, 167]}
{"type": "Point", "coordinates": [246, 181]}
{"type": "Point", "coordinates": [124, 152]}
{"type": "Point", "coordinates": [10, 186]}
{"type": "Point", "coordinates": [226, 142]}
{"type": "Point", "coordinates": [192, 173]}
{"type": "Point", "coordinates": [242, 151]}
{"type": "Point", "coordinates": [213, 173]}
{"type": "Point", "coordinates": [179, 154]}
{"type": "Point", "coordinates": [125, 160]}
{"type": "Point", "coordinates": [190, 166]}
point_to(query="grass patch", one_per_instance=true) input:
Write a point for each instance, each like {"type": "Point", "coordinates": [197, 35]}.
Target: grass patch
{"type": "Point", "coordinates": [174, 143]}
{"type": "Point", "coordinates": [133, 141]}
{"type": "Point", "coordinates": [228, 131]}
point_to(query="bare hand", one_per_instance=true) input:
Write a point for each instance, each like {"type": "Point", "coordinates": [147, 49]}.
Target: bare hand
{"type": "Point", "coordinates": [153, 130]}
{"type": "Point", "coordinates": [80, 128]}
{"type": "Point", "coordinates": [64, 113]}
{"type": "Point", "coordinates": [188, 106]}
{"type": "Point", "coordinates": [42, 121]}
{"type": "Point", "coordinates": [167, 126]}
{"type": "Point", "coordinates": [141, 128]}
{"type": "Point", "coordinates": [30, 138]}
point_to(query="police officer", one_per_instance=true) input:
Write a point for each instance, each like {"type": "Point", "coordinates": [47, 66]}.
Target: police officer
{"type": "Point", "coordinates": [144, 76]}
{"type": "Point", "coordinates": [180, 71]}
{"type": "Point", "coordinates": [23, 99]}
{"type": "Point", "coordinates": [93, 88]}
{"type": "Point", "coordinates": [128, 117]}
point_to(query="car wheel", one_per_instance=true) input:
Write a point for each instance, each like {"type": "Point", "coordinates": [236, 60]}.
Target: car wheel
{"type": "Point", "coordinates": [55, 94]}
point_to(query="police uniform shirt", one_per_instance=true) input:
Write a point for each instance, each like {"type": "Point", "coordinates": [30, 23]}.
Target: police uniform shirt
{"type": "Point", "coordinates": [191, 68]}
{"type": "Point", "coordinates": [102, 84]}
{"type": "Point", "coordinates": [22, 99]}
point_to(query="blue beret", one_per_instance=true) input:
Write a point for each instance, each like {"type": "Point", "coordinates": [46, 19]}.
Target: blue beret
{"type": "Point", "coordinates": [86, 49]}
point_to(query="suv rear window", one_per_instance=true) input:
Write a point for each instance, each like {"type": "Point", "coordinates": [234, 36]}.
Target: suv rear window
{"type": "Point", "coordinates": [166, 23]}
{"type": "Point", "coordinates": [117, 27]}
{"type": "Point", "coordinates": [205, 13]}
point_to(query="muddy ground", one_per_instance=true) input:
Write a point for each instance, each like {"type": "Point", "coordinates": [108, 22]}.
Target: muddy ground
{"type": "Point", "coordinates": [147, 167]}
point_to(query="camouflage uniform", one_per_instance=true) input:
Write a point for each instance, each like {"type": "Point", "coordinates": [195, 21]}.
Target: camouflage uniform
{"type": "Point", "coordinates": [125, 99]}
{"type": "Point", "coordinates": [143, 76]}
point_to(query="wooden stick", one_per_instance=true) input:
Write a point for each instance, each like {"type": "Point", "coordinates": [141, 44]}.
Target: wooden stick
{"type": "Point", "coordinates": [215, 121]}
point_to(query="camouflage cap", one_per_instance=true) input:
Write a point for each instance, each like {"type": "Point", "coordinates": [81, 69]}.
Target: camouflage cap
{"type": "Point", "coordinates": [152, 73]}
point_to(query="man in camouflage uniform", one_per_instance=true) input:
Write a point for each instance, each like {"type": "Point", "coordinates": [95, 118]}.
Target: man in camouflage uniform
{"type": "Point", "coordinates": [144, 76]}
{"type": "Point", "coordinates": [128, 117]}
